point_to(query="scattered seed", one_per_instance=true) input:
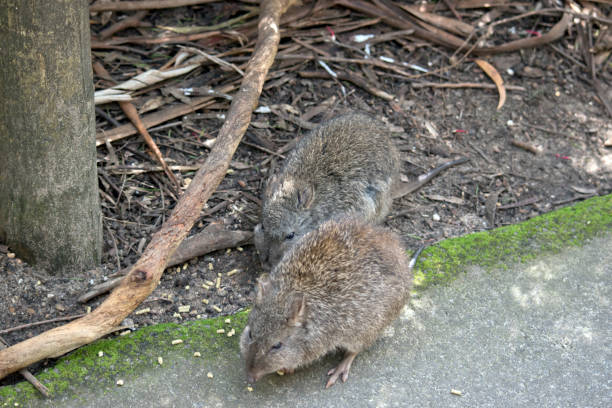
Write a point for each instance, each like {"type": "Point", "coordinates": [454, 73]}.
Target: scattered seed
{"type": "Point", "coordinates": [120, 382]}
{"type": "Point", "coordinates": [220, 331]}
{"type": "Point", "coordinates": [233, 272]}
{"type": "Point", "coordinates": [10, 255]}
{"type": "Point", "coordinates": [209, 283]}
{"type": "Point", "coordinates": [185, 266]}
{"type": "Point", "coordinates": [177, 315]}
{"type": "Point", "coordinates": [184, 308]}
{"type": "Point", "coordinates": [218, 284]}
{"type": "Point", "coordinates": [240, 249]}
{"type": "Point", "coordinates": [205, 301]}
{"type": "Point", "coordinates": [100, 353]}
{"type": "Point", "coordinates": [231, 333]}
{"type": "Point", "coordinates": [209, 375]}
{"type": "Point", "coordinates": [456, 392]}
{"type": "Point", "coordinates": [229, 250]}
{"type": "Point", "coordinates": [142, 311]}
{"type": "Point", "coordinates": [280, 372]}
{"type": "Point", "coordinates": [177, 341]}
{"type": "Point", "coordinates": [228, 321]}
{"type": "Point", "coordinates": [217, 308]}
{"type": "Point", "coordinates": [205, 286]}
{"type": "Point", "coordinates": [88, 309]}
{"type": "Point", "coordinates": [210, 266]}
{"type": "Point", "coordinates": [187, 287]}
{"type": "Point", "coordinates": [197, 354]}
{"type": "Point", "coordinates": [160, 360]}
{"type": "Point", "coordinates": [250, 389]}
{"type": "Point", "coordinates": [123, 333]}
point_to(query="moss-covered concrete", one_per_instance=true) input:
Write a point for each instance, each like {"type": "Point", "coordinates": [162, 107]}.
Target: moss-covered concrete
{"type": "Point", "coordinates": [126, 356]}
{"type": "Point", "coordinates": [549, 233]}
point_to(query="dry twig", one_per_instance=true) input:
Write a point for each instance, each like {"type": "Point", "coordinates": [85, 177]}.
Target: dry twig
{"type": "Point", "coordinates": [525, 146]}
{"type": "Point", "coordinates": [130, 112]}
{"type": "Point", "coordinates": [132, 21]}
{"type": "Point", "coordinates": [144, 5]}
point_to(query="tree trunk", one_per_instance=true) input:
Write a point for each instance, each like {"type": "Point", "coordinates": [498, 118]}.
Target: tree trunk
{"type": "Point", "coordinates": [49, 205]}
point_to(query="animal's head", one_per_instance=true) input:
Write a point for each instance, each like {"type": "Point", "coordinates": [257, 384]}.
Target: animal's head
{"type": "Point", "coordinates": [273, 339]}
{"type": "Point", "coordinates": [286, 217]}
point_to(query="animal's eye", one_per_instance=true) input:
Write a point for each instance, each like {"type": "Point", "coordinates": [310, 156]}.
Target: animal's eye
{"type": "Point", "coordinates": [250, 336]}
{"type": "Point", "coordinates": [277, 346]}
{"type": "Point", "coordinates": [262, 227]}
{"type": "Point", "coordinates": [290, 236]}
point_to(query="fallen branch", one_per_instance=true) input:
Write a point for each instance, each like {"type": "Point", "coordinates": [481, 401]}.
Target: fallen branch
{"type": "Point", "coordinates": [144, 5]}
{"type": "Point", "coordinates": [146, 273]}
{"type": "Point", "coordinates": [527, 201]}
{"type": "Point", "coordinates": [28, 375]}
{"type": "Point", "coordinates": [213, 238]}
{"type": "Point", "coordinates": [464, 85]}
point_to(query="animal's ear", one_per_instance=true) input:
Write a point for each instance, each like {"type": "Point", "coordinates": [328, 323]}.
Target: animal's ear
{"type": "Point", "coordinates": [297, 310]}
{"type": "Point", "coordinates": [305, 196]}
{"type": "Point", "coordinates": [264, 285]}
{"type": "Point", "coordinates": [271, 185]}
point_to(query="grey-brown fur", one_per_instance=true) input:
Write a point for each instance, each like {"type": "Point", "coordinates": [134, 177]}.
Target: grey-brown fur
{"type": "Point", "coordinates": [346, 166]}
{"type": "Point", "coordinates": [338, 287]}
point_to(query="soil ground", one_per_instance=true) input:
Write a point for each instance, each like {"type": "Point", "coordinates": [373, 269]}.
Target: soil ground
{"type": "Point", "coordinates": [557, 112]}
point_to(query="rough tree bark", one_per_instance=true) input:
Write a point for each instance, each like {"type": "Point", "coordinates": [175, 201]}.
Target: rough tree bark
{"type": "Point", "coordinates": [146, 273]}
{"type": "Point", "coordinates": [49, 206]}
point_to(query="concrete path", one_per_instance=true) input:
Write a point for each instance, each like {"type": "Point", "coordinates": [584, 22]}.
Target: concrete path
{"type": "Point", "coordinates": [535, 335]}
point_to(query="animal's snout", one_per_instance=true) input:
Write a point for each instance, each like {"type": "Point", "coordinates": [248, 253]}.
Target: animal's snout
{"type": "Point", "coordinates": [252, 377]}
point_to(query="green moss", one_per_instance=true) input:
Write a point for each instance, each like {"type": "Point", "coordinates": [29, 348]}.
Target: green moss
{"type": "Point", "coordinates": [127, 356]}
{"type": "Point", "coordinates": [549, 233]}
